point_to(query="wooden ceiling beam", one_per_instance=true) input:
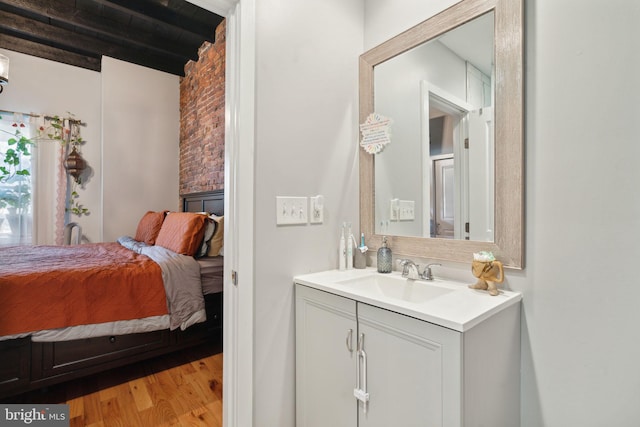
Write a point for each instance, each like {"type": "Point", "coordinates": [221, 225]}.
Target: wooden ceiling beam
{"type": "Point", "coordinates": [123, 34]}
{"type": "Point", "coordinates": [168, 14]}
{"type": "Point", "coordinates": [79, 44]}
{"type": "Point", "coordinates": [39, 50]}
{"type": "Point", "coordinates": [159, 34]}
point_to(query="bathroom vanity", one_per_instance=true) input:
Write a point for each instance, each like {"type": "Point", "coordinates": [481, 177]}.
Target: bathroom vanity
{"type": "Point", "coordinates": [379, 350]}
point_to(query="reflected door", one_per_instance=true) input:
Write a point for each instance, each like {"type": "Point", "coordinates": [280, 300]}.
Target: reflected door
{"type": "Point", "coordinates": [444, 205]}
{"type": "Point", "coordinates": [481, 176]}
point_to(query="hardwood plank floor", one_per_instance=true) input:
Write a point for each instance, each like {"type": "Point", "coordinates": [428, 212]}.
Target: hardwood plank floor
{"type": "Point", "coordinates": [179, 389]}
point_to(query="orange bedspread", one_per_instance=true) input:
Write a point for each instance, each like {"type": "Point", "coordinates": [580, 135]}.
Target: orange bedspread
{"type": "Point", "coordinates": [48, 287]}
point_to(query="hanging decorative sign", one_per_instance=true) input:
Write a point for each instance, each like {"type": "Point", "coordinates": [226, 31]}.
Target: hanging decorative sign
{"type": "Point", "coordinates": [375, 133]}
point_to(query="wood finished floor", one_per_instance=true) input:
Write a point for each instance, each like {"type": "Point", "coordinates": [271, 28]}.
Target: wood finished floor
{"type": "Point", "coordinates": [179, 389]}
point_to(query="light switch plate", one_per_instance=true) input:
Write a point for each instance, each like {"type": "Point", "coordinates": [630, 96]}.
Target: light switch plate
{"type": "Point", "coordinates": [292, 210]}
{"type": "Point", "coordinates": [407, 210]}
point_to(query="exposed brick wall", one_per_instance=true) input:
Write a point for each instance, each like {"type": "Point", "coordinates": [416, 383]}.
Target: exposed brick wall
{"type": "Point", "coordinates": [202, 118]}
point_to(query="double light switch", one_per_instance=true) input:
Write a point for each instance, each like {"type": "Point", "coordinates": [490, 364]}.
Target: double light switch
{"type": "Point", "coordinates": [299, 210]}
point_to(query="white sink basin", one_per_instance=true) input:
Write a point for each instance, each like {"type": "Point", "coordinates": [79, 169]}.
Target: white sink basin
{"type": "Point", "coordinates": [444, 302]}
{"type": "Point", "coordinates": [398, 288]}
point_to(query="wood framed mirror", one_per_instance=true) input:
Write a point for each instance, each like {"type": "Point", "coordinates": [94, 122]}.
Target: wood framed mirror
{"type": "Point", "coordinates": [506, 239]}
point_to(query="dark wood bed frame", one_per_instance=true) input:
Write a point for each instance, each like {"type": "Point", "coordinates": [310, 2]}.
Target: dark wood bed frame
{"type": "Point", "coordinates": [28, 365]}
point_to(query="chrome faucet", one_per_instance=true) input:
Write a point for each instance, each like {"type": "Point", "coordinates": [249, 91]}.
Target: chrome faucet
{"type": "Point", "coordinates": [411, 270]}
{"type": "Point", "coordinates": [426, 274]}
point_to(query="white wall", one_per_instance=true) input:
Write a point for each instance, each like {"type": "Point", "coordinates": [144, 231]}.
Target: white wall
{"type": "Point", "coordinates": [45, 87]}
{"type": "Point", "coordinates": [306, 144]}
{"type": "Point", "coordinates": [580, 313]}
{"type": "Point", "coordinates": [132, 135]}
{"type": "Point", "coordinates": [385, 19]}
{"type": "Point", "coordinates": [141, 130]}
{"type": "Point", "coordinates": [580, 357]}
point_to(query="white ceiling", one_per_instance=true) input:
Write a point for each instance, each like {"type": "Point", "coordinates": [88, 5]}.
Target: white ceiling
{"type": "Point", "coordinates": [473, 42]}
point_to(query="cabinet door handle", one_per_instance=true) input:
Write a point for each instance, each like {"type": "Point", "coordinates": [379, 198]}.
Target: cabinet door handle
{"type": "Point", "coordinates": [360, 392]}
{"type": "Point", "coordinates": [349, 340]}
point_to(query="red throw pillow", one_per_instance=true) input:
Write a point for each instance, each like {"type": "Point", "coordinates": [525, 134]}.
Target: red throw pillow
{"type": "Point", "coordinates": [182, 232]}
{"type": "Point", "coordinates": [149, 227]}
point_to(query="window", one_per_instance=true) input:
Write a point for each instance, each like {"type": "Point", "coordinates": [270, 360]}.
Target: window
{"type": "Point", "coordinates": [16, 210]}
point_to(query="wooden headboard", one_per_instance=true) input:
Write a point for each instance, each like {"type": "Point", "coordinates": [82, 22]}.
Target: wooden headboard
{"type": "Point", "coordinates": [208, 201]}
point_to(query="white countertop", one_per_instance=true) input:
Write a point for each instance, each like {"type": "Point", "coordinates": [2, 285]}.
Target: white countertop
{"type": "Point", "coordinates": [459, 307]}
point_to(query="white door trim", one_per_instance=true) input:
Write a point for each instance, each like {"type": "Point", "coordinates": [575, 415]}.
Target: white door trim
{"type": "Point", "coordinates": [433, 95]}
{"type": "Point", "coordinates": [238, 378]}
{"type": "Point", "coordinates": [239, 209]}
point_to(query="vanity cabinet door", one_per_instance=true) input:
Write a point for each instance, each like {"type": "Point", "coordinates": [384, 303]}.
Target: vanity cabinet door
{"type": "Point", "coordinates": [413, 371]}
{"type": "Point", "coordinates": [325, 359]}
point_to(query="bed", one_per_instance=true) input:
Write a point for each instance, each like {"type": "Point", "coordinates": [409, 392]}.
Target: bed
{"type": "Point", "coordinates": [169, 293]}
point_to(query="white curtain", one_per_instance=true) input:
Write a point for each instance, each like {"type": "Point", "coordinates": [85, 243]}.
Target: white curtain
{"type": "Point", "coordinates": [51, 186]}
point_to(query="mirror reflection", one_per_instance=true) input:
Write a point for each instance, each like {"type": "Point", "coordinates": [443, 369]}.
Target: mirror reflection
{"type": "Point", "coordinates": [436, 178]}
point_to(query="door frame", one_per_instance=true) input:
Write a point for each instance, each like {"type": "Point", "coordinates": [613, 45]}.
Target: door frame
{"type": "Point", "coordinates": [238, 374]}
{"type": "Point", "coordinates": [458, 108]}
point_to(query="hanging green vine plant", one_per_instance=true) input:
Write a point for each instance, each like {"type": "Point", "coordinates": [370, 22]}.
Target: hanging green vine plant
{"type": "Point", "coordinates": [74, 206]}
{"type": "Point", "coordinates": [20, 146]}
{"type": "Point", "coordinates": [74, 163]}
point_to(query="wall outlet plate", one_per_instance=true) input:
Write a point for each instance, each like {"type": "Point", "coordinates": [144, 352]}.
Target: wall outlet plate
{"type": "Point", "coordinates": [394, 209]}
{"type": "Point", "coordinates": [292, 210]}
{"type": "Point", "coordinates": [316, 210]}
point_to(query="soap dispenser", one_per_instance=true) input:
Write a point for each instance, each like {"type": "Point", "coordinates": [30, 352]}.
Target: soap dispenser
{"type": "Point", "coordinates": [384, 257]}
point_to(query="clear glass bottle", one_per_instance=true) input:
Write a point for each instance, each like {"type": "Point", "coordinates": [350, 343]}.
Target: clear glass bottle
{"type": "Point", "coordinates": [384, 257]}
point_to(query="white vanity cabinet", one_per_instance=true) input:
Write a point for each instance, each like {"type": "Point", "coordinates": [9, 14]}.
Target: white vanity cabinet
{"type": "Point", "coordinates": [416, 373]}
{"type": "Point", "coordinates": [326, 329]}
